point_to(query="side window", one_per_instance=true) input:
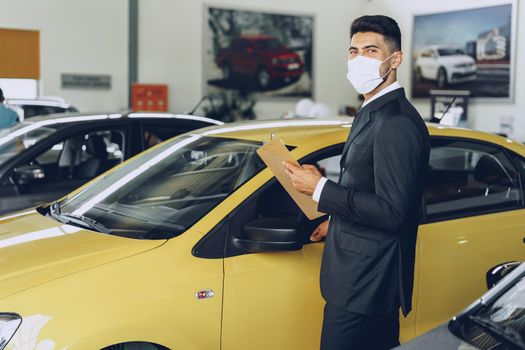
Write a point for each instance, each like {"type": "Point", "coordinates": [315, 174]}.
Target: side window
{"type": "Point", "coordinates": [31, 111]}
{"type": "Point", "coordinates": [155, 133]}
{"type": "Point", "coordinates": [330, 167]}
{"type": "Point", "coordinates": [79, 157]}
{"type": "Point", "coordinates": [272, 201]}
{"type": "Point", "coordinates": [467, 178]}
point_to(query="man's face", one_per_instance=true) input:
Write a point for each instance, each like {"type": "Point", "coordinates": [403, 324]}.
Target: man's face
{"type": "Point", "coordinates": [372, 45]}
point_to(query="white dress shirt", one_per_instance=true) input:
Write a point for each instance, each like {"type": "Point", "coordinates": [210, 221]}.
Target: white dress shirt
{"type": "Point", "coordinates": [316, 196]}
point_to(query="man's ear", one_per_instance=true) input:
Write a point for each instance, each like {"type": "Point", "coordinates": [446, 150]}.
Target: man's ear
{"type": "Point", "coordinates": [397, 59]}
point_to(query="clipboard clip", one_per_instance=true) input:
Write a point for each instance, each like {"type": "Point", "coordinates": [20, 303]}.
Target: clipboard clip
{"type": "Point", "coordinates": [272, 138]}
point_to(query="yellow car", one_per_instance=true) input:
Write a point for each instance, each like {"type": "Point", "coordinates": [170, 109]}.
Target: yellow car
{"type": "Point", "coordinates": [194, 245]}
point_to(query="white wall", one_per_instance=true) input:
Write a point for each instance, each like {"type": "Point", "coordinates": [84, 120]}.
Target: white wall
{"type": "Point", "coordinates": [483, 116]}
{"type": "Point", "coordinates": [171, 48]}
{"type": "Point", "coordinates": [77, 36]}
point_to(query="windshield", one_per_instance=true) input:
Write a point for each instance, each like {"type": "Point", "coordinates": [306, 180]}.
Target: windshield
{"type": "Point", "coordinates": [16, 139]}
{"type": "Point", "coordinates": [450, 52]}
{"type": "Point", "coordinates": [162, 193]}
{"type": "Point", "coordinates": [268, 44]}
{"type": "Point", "coordinates": [500, 325]}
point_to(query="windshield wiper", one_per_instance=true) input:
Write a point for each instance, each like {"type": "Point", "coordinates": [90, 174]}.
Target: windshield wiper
{"type": "Point", "coordinates": [499, 330]}
{"type": "Point", "coordinates": [77, 220]}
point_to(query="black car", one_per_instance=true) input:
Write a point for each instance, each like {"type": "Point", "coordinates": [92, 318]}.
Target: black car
{"type": "Point", "coordinates": [46, 157]}
{"type": "Point", "coordinates": [496, 321]}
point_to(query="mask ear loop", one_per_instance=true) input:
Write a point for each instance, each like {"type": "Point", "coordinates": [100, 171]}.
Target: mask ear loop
{"type": "Point", "coordinates": [386, 59]}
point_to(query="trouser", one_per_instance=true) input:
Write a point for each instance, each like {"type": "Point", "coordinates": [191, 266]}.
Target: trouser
{"type": "Point", "coordinates": [344, 330]}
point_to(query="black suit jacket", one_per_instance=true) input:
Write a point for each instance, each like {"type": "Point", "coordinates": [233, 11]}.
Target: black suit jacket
{"type": "Point", "coordinates": [368, 259]}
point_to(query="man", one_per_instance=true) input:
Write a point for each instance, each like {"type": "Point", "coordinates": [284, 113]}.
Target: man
{"type": "Point", "coordinates": [368, 260]}
{"type": "Point", "coordinates": [8, 117]}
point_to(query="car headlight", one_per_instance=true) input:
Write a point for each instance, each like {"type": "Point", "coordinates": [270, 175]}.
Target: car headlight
{"type": "Point", "coordinates": [9, 323]}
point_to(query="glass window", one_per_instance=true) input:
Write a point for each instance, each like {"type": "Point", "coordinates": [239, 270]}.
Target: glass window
{"type": "Point", "coordinates": [155, 133]}
{"type": "Point", "coordinates": [79, 157]}
{"type": "Point", "coordinates": [468, 178]}
{"type": "Point", "coordinates": [330, 167]}
{"type": "Point", "coordinates": [61, 168]}
{"type": "Point", "coordinates": [21, 136]}
{"type": "Point", "coordinates": [268, 44]}
{"type": "Point", "coordinates": [499, 325]}
{"type": "Point", "coordinates": [162, 193]}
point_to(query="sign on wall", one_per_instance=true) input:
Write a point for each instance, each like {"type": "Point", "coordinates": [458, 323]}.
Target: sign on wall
{"type": "Point", "coordinates": [470, 49]}
{"type": "Point", "coordinates": [86, 81]}
{"type": "Point", "coordinates": [253, 51]}
{"type": "Point", "coordinates": [149, 98]}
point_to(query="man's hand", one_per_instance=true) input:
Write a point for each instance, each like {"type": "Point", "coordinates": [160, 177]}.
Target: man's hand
{"type": "Point", "coordinates": [320, 232]}
{"type": "Point", "coordinates": [304, 178]}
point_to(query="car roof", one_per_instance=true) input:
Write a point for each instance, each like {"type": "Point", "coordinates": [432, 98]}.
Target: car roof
{"type": "Point", "coordinates": [321, 132]}
{"type": "Point", "coordinates": [67, 118]}
{"type": "Point", "coordinates": [39, 102]}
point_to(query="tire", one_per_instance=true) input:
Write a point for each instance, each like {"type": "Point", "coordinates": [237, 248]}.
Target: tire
{"type": "Point", "coordinates": [263, 78]}
{"type": "Point", "coordinates": [442, 78]}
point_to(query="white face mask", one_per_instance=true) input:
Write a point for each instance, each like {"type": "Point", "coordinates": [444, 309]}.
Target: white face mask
{"type": "Point", "coordinates": [364, 74]}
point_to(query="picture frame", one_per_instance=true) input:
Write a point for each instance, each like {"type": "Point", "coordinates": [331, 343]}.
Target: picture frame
{"type": "Point", "coordinates": [258, 52]}
{"type": "Point", "coordinates": [466, 49]}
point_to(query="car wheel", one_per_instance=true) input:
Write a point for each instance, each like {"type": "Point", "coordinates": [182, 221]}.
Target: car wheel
{"type": "Point", "coordinates": [442, 77]}
{"type": "Point", "coordinates": [226, 72]}
{"type": "Point", "coordinates": [263, 78]}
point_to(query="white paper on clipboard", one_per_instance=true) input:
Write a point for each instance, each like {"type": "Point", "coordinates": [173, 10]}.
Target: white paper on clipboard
{"type": "Point", "coordinates": [273, 154]}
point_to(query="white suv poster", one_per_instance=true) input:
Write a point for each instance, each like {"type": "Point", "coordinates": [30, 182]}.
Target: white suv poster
{"type": "Point", "coordinates": [470, 49]}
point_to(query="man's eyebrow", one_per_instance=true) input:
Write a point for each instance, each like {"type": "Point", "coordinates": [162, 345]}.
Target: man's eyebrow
{"type": "Point", "coordinates": [364, 47]}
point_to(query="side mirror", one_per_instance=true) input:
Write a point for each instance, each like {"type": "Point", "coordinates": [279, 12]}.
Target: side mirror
{"type": "Point", "coordinates": [498, 272]}
{"type": "Point", "coordinates": [270, 235]}
{"type": "Point", "coordinates": [28, 174]}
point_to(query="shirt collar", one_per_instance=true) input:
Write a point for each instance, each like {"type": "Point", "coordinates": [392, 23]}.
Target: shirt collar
{"type": "Point", "coordinates": [394, 86]}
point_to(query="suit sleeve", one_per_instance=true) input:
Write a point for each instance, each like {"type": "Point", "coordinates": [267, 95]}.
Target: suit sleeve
{"type": "Point", "coordinates": [397, 166]}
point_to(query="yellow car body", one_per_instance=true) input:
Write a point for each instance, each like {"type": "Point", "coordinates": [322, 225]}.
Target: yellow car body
{"type": "Point", "coordinates": [79, 289]}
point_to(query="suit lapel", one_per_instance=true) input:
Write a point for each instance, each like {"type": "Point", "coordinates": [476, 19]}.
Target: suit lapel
{"type": "Point", "coordinates": [364, 115]}
{"type": "Point", "coordinates": [362, 120]}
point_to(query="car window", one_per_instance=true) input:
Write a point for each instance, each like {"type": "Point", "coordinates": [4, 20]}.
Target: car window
{"type": "Point", "coordinates": [154, 133]}
{"type": "Point", "coordinates": [450, 52]}
{"type": "Point", "coordinates": [330, 167]}
{"type": "Point", "coordinates": [466, 178]}
{"type": "Point", "coordinates": [19, 137]}
{"type": "Point", "coordinates": [271, 201]}
{"type": "Point", "coordinates": [162, 193]}
{"type": "Point", "coordinates": [498, 325]}
{"type": "Point", "coordinates": [78, 157]}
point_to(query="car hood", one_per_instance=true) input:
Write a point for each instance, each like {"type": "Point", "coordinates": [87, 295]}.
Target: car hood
{"type": "Point", "coordinates": [456, 59]}
{"type": "Point", "coordinates": [35, 249]}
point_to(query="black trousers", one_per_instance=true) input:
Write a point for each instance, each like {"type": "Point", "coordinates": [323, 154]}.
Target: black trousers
{"type": "Point", "coordinates": [344, 330]}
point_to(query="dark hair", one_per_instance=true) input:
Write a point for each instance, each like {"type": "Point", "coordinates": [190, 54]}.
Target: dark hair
{"type": "Point", "coordinates": [383, 25]}
{"type": "Point", "coordinates": [1, 96]}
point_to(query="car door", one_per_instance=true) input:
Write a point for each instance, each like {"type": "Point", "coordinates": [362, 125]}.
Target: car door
{"type": "Point", "coordinates": [427, 64]}
{"type": "Point", "coordinates": [62, 167]}
{"type": "Point", "coordinates": [474, 221]}
{"type": "Point", "coordinates": [272, 300]}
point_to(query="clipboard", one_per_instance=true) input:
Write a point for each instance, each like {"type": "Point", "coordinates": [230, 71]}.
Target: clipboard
{"type": "Point", "coordinates": [273, 154]}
